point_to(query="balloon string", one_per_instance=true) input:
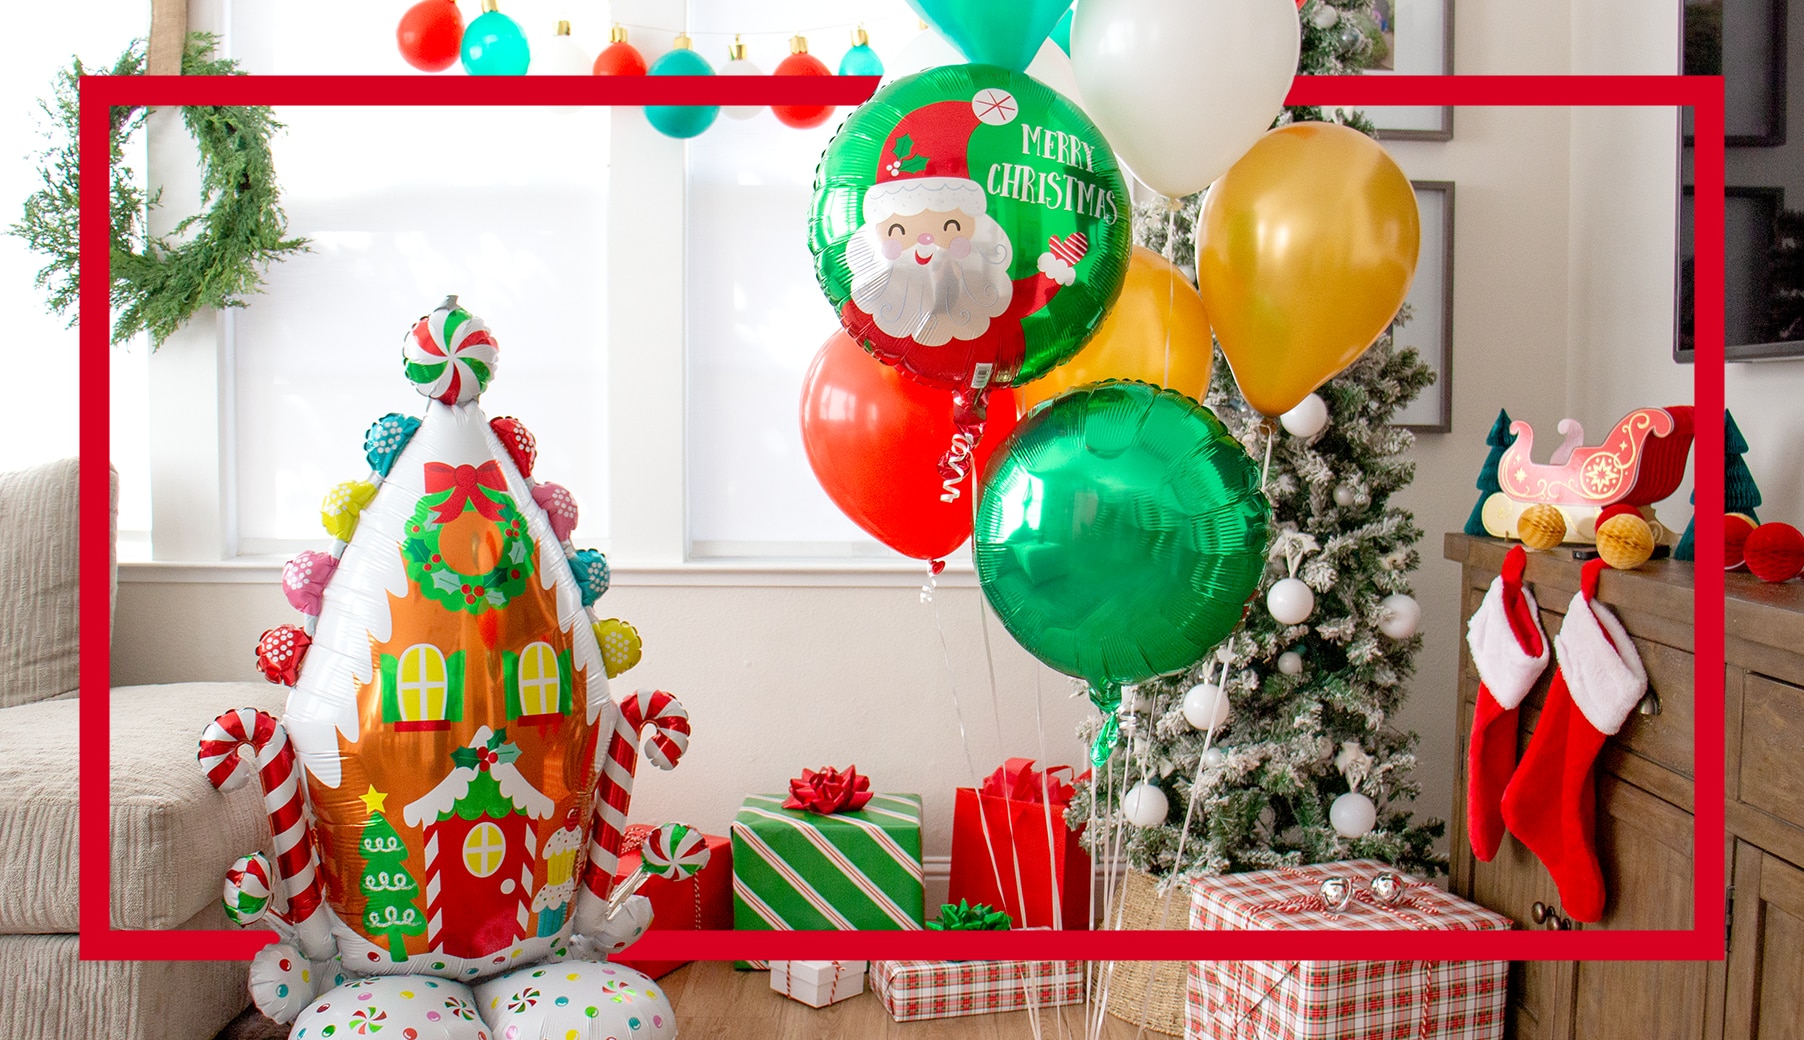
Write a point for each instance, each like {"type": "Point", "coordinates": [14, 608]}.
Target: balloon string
{"type": "Point", "coordinates": [1171, 286]}
{"type": "Point", "coordinates": [1118, 845]}
{"type": "Point", "coordinates": [1271, 434]}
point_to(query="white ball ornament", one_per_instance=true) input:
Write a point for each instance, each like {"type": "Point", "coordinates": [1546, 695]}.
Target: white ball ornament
{"type": "Point", "coordinates": [1206, 707]}
{"type": "Point", "coordinates": [1399, 616]}
{"type": "Point", "coordinates": [1325, 17]}
{"type": "Point", "coordinates": [1352, 814]}
{"type": "Point", "coordinates": [1145, 805]}
{"type": "Point", "coordinates": [1214, 758]}
{"type": "Point", "coordinates": [1290, 663]}
{"type": "Point", "coordinates": [1308, 418]}
{"type": "Point", "coordinates": [1290, 601]}
{"type": "Point", "coordinates": [737, 65]}
{"type": "Point", "coordinates": [1345, 496]}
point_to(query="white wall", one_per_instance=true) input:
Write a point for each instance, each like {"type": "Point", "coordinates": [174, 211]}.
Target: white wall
{"type": "Point", "coordinates": [1562, 306]}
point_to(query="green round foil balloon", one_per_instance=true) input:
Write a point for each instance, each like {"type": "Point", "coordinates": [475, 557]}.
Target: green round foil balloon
{"type": "Point", "coordinates": [971, 227]}
{"type": "Point", "coordinates": [1120, 533]}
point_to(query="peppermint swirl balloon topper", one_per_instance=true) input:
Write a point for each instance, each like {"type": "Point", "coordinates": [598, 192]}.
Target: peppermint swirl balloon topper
{"type": "Point", "coordinates": [449, 355]}
{"type": "Point", "coordinates": [675, 852]}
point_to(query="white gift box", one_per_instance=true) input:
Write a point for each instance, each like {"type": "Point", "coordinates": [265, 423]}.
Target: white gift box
{"type": "Point", "coordinates": [817, 983]}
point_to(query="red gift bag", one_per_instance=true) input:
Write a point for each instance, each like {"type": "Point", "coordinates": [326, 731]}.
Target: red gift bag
{"type": "Point", "coordinates": [1038, 871]}
{"type": "Point", "coordinates": [704, 901]}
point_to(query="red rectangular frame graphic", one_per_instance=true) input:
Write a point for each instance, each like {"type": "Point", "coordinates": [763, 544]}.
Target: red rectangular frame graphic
{"type": "Point", "coordinates": [100, 941]}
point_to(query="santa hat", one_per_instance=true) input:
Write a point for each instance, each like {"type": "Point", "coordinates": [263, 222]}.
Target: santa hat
{"type": "Point", "coordinates": [924, 163]}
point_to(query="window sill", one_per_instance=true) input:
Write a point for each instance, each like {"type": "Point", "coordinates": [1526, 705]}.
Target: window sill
{"type": "Point", "coordinates": [773, 573]}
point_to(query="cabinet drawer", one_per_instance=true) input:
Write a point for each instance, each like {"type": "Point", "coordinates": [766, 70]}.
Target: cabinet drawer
{"type": "Point", "coordinates": [1772, 734]}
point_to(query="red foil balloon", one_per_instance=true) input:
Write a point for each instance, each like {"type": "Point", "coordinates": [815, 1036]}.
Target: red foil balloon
{"type": "Point", "coordinates": [430, 34]}
{"type": "Point", "coordinates": [621, 58]}
{"type": "Point", "coordinates": [874, 438]}
{"type": "Point", "coordinates": [801, 63]}
{"type": "Point", "coordinates": [521, 446]}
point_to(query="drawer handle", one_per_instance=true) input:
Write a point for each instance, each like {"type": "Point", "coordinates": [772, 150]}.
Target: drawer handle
{"type": "Point", "coordinates": [1547, 917]}
{"type": "Point", "coordinates": [1540, 912]}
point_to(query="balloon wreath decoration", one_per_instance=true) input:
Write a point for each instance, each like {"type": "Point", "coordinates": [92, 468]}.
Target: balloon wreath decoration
{"type": "Point", "coordinates": [211, 259]}
{"type": "Point", "coordinates": [448, 788]}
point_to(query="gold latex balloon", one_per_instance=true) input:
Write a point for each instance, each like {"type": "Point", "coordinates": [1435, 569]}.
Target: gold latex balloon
{"type": "Point", "coordinates": [1305, 250]}
{"type": "Point", "coordinates": [1158, 316]}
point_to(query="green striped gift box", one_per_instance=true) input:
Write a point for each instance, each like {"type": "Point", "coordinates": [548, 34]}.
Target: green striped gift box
{"type": "Point", "coordinates": [801, 871]}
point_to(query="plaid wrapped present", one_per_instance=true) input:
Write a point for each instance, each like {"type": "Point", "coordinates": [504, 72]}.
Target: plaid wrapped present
{"type": "Point", "coordinates": [1340, 1000]}
{"type": "Point", "coordinates": [912, 990]}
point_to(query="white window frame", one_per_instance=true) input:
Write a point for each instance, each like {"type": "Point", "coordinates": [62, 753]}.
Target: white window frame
{"type": "Point", "coordinates": [194, 534]}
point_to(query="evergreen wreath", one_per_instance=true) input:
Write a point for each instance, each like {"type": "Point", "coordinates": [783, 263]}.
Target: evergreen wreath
{"type": "Point", "coordinates": [473, 593]}
{"type": "Point", "coordinates": [211, 259]}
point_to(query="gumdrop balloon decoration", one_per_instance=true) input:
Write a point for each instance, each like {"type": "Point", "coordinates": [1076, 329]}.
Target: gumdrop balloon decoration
{"type": "Point", "coordinates": [971, 227]}
{"type": "Point", "coordinates": [494, 45]}
{"type": "Point", "coordinates": [801, 63]}
{"type": "Point", "coordinates": [681, 121]}
{"type": "Point", "coordinates": [441, 821]}
{"type": "Point", "coordinates": [430, 35]}
{"type": "Point", "coordinates": [1120, 532]}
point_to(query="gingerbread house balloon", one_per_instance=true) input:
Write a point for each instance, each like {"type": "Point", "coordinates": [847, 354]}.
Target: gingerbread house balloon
{"type": "Point", "coordinates": [448, 787]}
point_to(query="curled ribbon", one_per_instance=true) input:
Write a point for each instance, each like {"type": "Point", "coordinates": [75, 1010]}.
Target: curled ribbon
{"type": "Point", "coordinates": [1018, 780]}
{"type": "Point", "coordinates": [955, 464]}
{"type": "Point", "coordinates": [465, 484]}
{"type": "Point", "coordinates": [827, 791]}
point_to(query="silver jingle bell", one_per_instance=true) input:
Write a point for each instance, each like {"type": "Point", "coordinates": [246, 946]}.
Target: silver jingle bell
{"type": "Point", "coordinates": [1337, 892]}
{"type": "Point", "coordinates": [1387, 888]}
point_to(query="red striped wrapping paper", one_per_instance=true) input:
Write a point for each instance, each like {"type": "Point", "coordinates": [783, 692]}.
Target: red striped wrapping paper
{"type": "Point", "coordinates": [914, 990]}
{"type": "Point", "coordinates": [1340, 1000]}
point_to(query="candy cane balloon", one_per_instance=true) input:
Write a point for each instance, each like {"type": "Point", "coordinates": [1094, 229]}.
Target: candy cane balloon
{"type": "Point", "coordinates": [614, 785]}
{"type": "Point", "coordinates": [222, 758]}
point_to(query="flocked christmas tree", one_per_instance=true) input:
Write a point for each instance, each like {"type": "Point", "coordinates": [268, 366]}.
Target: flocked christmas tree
{"type": "Point", "coordinates": [1311, 704]}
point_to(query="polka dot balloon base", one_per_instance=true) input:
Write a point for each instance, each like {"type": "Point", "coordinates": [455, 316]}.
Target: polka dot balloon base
{"type": "Point", "coordinates": [576, 1000]}
{"type": "Point", "coordinates": [405, 1007]}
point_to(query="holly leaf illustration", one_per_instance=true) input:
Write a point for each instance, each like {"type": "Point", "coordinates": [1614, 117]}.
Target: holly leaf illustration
{"type": "Point", "coordinates": [916, 164]}
{"type": "Point", "coordinates": [905, 145]}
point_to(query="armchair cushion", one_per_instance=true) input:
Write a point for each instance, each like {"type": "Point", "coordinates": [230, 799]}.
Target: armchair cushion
{"type": "Point", "coordinates": [40, 630]}
{"type": "Point", "coordinates": [174, 836]}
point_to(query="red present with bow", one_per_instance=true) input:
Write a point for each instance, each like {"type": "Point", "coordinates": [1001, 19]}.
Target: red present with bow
{"type": "Point", "coordinates": [702, 902]}
{"type": "Point", "coordinates": [1012, 849]}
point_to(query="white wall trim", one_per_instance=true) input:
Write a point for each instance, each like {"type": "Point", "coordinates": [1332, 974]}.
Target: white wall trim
{"type": "Point", "coordinates": [259, 570]}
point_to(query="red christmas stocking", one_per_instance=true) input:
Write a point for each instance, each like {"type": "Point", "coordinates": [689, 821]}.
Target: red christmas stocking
{"type": "Point", "coordinates": [1551, 803]}
{"type": "Point", "coordinates": [1510, 652]}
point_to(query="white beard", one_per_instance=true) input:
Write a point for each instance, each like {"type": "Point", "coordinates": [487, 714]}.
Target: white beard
{"type": "Point", "coordinates": [944, 299]}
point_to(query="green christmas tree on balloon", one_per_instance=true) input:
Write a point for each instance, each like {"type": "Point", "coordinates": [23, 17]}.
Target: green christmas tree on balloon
{"type": "Point", "coordinates": [391, 890]}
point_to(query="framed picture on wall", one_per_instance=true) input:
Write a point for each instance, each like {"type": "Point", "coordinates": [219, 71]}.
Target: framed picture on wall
{"type": "Point", "coordinates": [1430, 302]}
{"type": "Point", "coordinates": [1419, 41]}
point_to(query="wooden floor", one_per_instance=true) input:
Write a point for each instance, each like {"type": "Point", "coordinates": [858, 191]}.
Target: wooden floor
{"type": "Point", "coordinates": [714, 1001]}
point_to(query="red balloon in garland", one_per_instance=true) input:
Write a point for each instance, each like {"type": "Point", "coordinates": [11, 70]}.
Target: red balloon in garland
{"type": "Point", "coordinates": [801, 63]}
{"type": "Point", "coordinates": [874, 438]}
{"type": "Point", "coordinates": [620, 58]}
{"type": "Point", "coordinates": [430, 34]}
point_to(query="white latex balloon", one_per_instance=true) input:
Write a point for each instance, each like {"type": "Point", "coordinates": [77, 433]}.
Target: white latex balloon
{"type": "Point", "coordinates": [1290, 601]}
{"type": "Point", "coordinates": [562, 56]}
{"type": "Point", "coordinates": [929, 49]}
{"type": "Point", "coordinates": [740, 67]}
{"type": "Point", "coordinates": [1399, 616]}
{"type": "Point", "coordinates": [1290, 663]}
{"type": "Point", "coordinates": [1145, 805]}
{"type": "Point", "coordinates": [1308, 418]}
{"type": "Point", "coordinates": [1352, 814]}
{"type": "Point", "coordinates": [1183, 88]}
{"type": "Point", "coordinates": [1206, 707]}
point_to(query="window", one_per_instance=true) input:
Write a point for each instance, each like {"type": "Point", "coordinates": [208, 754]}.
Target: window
{"type": "Point", "coordinates": [538, 681]}
{"type": "Point", "coordinates": [423, 689]}
{"type": "Point", "coordinates": [484, 848]}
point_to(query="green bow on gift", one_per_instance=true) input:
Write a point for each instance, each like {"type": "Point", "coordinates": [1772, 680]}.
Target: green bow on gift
{"type": "Point", "coordinates": [967, 918]}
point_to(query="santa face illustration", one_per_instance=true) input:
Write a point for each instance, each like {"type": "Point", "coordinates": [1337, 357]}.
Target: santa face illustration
{"type": "Point", "coordinates": [930, 265]}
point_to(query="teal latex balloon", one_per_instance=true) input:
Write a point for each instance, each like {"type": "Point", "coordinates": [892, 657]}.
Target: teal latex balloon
{"type": "Point", "coordinates": [1061, 33]}
{"type": "Point", "coordinates": [494, 46]}
{"type": "Point", "coordinates": [681, 121]}
{"type": "Point", "coordinates": [1120, 533]}
{"type": "Point", "coordinates": [1007, 33]}
{"type": "Point", "coordinates": [861, 61]}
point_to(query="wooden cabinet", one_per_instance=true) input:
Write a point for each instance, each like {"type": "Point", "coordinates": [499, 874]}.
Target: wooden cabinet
{"type": "Point", "coordinates": [1645, 798]}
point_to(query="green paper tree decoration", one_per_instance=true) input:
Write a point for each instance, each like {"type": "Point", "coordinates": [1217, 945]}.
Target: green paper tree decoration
{"type": "Point", "coordinates": [1740, 493]}
{"type": "Point", "coordinates": [1500, 439]}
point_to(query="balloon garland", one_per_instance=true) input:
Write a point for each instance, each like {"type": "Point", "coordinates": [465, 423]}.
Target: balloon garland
{"type": "Point", "coordinates": [159, 284]}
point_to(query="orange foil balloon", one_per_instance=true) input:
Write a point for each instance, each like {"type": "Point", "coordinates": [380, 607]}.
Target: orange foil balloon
{"type": "Point", "coordinates": [1305, 250]}
{"type": "Point", "coordinates": [874, 438]}
{"type": "Point", "coordinates": [1157, 332]}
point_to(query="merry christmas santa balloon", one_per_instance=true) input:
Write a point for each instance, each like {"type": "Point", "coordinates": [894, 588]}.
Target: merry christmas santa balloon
{"type": "Point", "coordinates": [448, 787]}
{"type": "Point", "coordinates": [971, 228]}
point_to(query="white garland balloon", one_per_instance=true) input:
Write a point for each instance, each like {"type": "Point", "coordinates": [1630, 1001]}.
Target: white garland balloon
{"type": "Point", "coordinates": [1290, 601]}
{"type": "Point", "coordinates": [1206, 707]}
{"type": "Point", "coordinates": [1399, 616]}
{"type": "Point", "coordinates": [1353, 815]}
{"type": "Point", "coordinates": [1145, 805]}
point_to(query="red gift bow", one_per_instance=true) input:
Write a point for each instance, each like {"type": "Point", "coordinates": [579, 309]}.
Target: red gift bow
{"type": "Point", "coordinates": [828, 791]}
{"type": "Point", "coordinates": [1018, 780]}
{"type": "Point", "coordinates": [463, 482]}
